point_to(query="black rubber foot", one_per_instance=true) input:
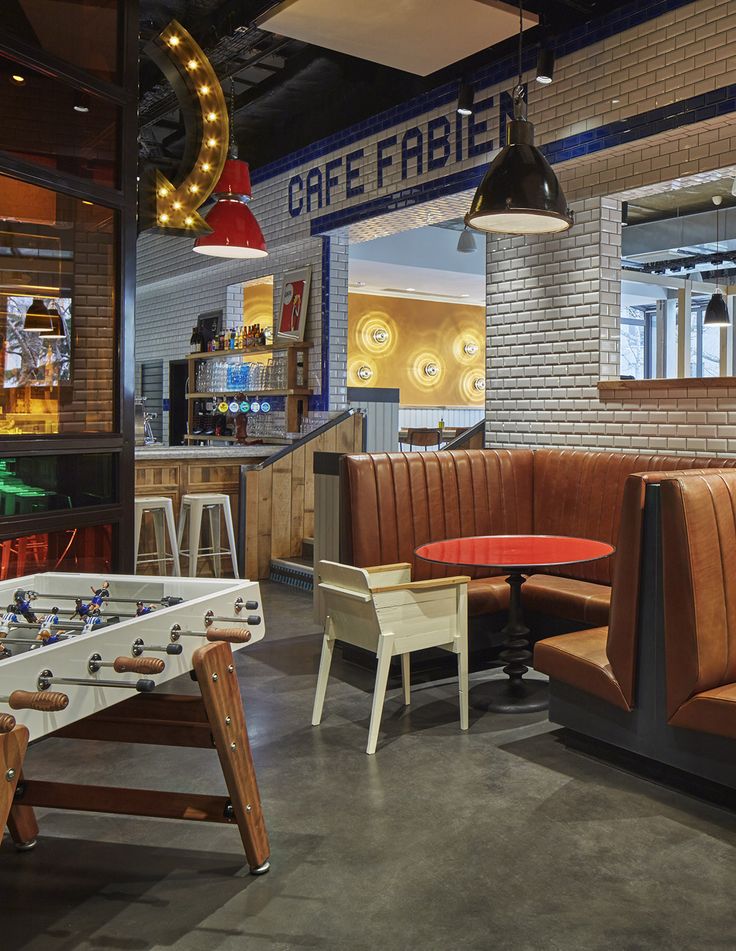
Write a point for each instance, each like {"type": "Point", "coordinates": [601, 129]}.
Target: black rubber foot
{"type": "Point", "coordinates": [498, 696]}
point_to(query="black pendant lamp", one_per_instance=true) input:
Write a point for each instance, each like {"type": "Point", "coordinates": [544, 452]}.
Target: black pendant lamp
{"type": "Point", "coordinates": [57, 331]}
{"type": "Point", "coordinates": [716, 313]}
{"type": "Point", "coordinates": [37, 319]}
{"type": "Point", "coordinates": [519, 193]}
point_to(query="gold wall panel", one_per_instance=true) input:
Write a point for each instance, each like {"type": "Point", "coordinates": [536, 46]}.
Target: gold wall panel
{"type": "Point", "coordinates": [433, 352]}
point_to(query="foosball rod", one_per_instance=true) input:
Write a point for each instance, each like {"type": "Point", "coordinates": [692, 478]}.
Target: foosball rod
{"type": "Point", "coordinates": [47, 701]}
{"type": "Point", "coordinates": [167, 601]}
{"type": "Point", "coordinates": [39, 625]}
{"type": "Point", "coordinates": [47, 610]}
{"type": "Point", "coordinates": [46, 679]}
{"type": "Point", "coordinates": [233, 635]}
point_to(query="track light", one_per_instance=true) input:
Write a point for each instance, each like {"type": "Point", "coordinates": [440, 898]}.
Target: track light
{"type": "Point", "coordinates": [81, 102]}
{"type": "Point", "coordinates": [465, 100]}
{"type": "Point", "coordinates": [466, 242]}
{"type": "Point", "coordinates": [545, 66]}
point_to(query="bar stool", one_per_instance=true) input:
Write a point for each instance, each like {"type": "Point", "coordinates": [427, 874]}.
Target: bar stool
{"type": "Point", "coordinates": [215, 504]}
{"type": "Point", "coordinates": [162, 511]}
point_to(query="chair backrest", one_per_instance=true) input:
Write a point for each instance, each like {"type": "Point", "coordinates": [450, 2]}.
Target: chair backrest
{"type": "Point", "coordinates": [699, 561]}
{"type": "Point", "coordinates": [394, 502]}
{"type": "Point", "coordinates": [423, 437]}
{"type": "Point", "coordinates": [348, 602]}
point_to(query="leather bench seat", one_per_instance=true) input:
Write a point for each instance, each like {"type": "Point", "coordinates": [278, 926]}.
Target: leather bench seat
{"type": "Point", "coordinates": [581, 601]}
{"type": "Point", "coordinates": [488, 595]}
{"type": "Point", "coordinates": [580, 659]}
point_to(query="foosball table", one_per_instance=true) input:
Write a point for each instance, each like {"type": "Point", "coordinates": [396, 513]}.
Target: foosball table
{"type": "Point", "coordinates": [84, 658]}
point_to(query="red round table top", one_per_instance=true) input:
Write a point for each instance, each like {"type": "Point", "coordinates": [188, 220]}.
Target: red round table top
{"type": "Point", "coordinates": [514, 551]}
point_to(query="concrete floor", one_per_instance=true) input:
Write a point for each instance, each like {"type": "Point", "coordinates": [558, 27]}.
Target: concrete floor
{"type": "Point", "coordinates": [498, 839]}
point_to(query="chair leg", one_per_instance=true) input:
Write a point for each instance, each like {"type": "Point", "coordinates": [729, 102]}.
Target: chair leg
{"type": "Point", "coordinates": [227, 512]}
{"type": "Point", "coordinates": [158, 529]}
{"type": "Point", "coordinates": [379, 691]}
{"type": "Point", "coordinates": [138, 520]}
{"type": "Point", "coordinates": [325, 662]}
{"type": "Point", "coordinates": [214, 517]}
{"type": "Point", "coordinates": [406, 677]}
{"type": "Point", "coordinates": [195, 528]}
{"type": "Point", "coordinates": [462, 676]}
{"type": "Point", "coordinates": [173, 541]}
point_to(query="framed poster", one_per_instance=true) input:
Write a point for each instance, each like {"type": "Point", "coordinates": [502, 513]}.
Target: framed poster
{"type": "Point", "coordinates": [295, 303]}
{"type": "Point", "coordinates": [209, 324]}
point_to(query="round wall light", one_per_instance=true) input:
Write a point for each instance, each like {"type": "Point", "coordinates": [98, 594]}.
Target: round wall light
{"type": "Point", "coordinates": [471, 348]}
{"type": "Point", "coordinates": [364, 373]}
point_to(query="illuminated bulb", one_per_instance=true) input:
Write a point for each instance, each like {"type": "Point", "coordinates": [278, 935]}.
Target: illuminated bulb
{"type": "Point", "coordinates": [189, 220]}
{"type": "Point", "coordinates": [365, 373]}
{"type": "Point", "coordinates": [163, 218]}
{"type": "Point", "coordinates": [211, 116]}
{"type": "Point", "coordinates": [192, 64]}
{"type": "Point", "coordinates": [471, 349]}
{"type": "Point", "coordinates": [173, 41]}
{"type": "Point", "coordinates": [177, 206]}
{"type": "Point", "coordinates": [163, 192]}
{"type": "Point", "coordinates": [212, 143]}
{"type": "Point", "coordinates": [194, 189]}
{"type": "Point", "coordinates": [17, 78]}
{"type": "Point", "coordinates": [204, 90]}
{"type": "Point", "coordinates": [380, 335]}
{"type": "Point", "coordinates": [206, 166]}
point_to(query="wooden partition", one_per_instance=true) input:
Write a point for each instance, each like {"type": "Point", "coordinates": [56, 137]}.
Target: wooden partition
{"type": "Point", "coordinates": [279, 494]}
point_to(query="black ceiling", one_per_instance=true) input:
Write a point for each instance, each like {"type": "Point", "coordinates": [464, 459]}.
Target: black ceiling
{"type": "Point", "coordinates": [288, 93]}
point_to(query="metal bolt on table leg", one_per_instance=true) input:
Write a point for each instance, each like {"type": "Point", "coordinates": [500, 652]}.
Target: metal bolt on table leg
{"type": "Point", "coordinates": [10, 775]}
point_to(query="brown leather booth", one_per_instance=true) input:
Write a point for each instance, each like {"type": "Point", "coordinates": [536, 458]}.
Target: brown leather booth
{"type": "Point", "coordinates": [394, 502]}
{"type": "Point", "coordinates": [699, 562]}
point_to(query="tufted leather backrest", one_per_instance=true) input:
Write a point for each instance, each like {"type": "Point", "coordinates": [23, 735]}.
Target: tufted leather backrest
{"type": "Point", "coordinates": [395, 502]}
{"type": "Point", "coordinates": [699, 560]}
{"type": "Point", "coordinates": [582, 493]}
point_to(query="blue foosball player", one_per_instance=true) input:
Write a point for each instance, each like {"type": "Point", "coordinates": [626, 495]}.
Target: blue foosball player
{"type": "Point", "coordinates": [101, 594]}
{"type": "Point", "coordinates": [141, 608]}
{"type": "Point", "coordinates": [84, 611]}
{"type": "Point", "coordinates": [22, 605]}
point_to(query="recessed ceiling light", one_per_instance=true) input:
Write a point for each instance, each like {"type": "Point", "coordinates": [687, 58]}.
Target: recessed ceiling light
{"type": "Point", "coordinates": [410, 290]}
{"type": "Point", "coordinates": [18, 79]}
{"type": "Point", "coordinates": [465, 295]}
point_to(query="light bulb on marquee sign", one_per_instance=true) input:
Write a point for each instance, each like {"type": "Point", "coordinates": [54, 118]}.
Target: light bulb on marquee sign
{"type": "Point", "coordinates": [203, 107]}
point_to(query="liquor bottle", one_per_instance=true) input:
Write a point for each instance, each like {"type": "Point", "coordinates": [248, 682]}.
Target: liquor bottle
{"type": "Point", "coordinates": [222, 341]}
{"type": "Point", "coordinates": [231, 343]}
{"type": "Point", "coordinates": [261, 337]}
{"type": "Point", "coordinates": [441, 425]}
{"type": "Point", "coordinates": [194, 341]}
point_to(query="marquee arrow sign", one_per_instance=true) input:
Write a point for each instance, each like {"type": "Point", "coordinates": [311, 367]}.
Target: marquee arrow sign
{"type": "Point", "coordinates": [173, 207]}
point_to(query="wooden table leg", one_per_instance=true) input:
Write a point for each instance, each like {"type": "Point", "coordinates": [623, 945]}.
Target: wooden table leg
{"type": "Point", "coordinates": [21, 820]}
{"type": "Point", "coordinates": [218, 683]}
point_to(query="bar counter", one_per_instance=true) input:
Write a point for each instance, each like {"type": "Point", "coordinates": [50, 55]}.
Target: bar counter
{"type": "Point", "coordinates": [175, 471]}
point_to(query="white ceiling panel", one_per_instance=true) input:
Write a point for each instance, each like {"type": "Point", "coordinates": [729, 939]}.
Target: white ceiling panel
{"type": "Point", "coordinates": [417, 36]}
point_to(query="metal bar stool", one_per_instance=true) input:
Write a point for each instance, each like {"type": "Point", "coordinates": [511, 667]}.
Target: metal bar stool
{"type": "Point", "coordinates": [216, 504]}
{"type": "Point", "coordinates": [162, 511]}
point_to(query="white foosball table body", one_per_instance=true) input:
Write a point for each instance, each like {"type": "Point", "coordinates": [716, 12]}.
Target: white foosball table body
{"type": "Point", "coordinates": [70, 658]}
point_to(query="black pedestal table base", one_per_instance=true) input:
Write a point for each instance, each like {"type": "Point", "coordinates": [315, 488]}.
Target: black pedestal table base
{"type": "Point", "coordinates": [513, 695]}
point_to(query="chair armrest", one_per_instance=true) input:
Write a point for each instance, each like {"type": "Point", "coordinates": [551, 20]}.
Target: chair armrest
{"type": "Point", "coordinates": [388, 574]}
{"type": "Point", "coordinates": [396, 567]}
{"type": "Point", "coordinates": [424, 585]}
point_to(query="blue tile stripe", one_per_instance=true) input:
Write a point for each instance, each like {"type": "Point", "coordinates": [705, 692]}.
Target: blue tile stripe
{"type": "Point", "coordinates": [501, 71]}
{"type": "Point", "coordinates": [321, 403]}
{"type": "Point", "coordinates": [654, 122]}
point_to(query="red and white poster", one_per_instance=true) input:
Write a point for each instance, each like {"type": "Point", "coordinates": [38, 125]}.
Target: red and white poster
{"type": "Point", "coordinates": [295, 303]}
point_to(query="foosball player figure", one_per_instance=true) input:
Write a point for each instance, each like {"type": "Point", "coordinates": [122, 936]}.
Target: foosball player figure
{"type": "Point", "coordinates": [141, 608]}
{"type": "Point", "coordinates": [101, 594]}
{"type": "Point", "coordinates": [22, 604]}
{"type": "Point", "coordinates": [84, 611]}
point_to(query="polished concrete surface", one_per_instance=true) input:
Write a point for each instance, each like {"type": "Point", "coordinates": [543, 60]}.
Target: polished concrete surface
{"type": "Point", "coordinates": [499, 839]}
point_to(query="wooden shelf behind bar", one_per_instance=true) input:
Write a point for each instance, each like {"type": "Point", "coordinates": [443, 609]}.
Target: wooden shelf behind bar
{"type": "Point", "coordinates": [298, 391]}
{"type": "Point", "coordinates": [250, 351]}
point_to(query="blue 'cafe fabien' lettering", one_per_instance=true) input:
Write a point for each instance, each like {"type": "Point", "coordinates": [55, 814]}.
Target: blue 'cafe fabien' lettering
{"type": "Point", "coordinates": [422, 148]}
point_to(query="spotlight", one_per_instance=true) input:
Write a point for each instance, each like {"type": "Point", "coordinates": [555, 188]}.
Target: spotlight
{"type": "Point", "coordinates": [465, 100]}
{"type": "Point", "coordinates": [81, 102]}
{"type": "Point", "coordinates": [545, 66]}
{"type": "Point", "coordinates": [466, 242]}
{"type": "Point", "coordinates": [18, 79]}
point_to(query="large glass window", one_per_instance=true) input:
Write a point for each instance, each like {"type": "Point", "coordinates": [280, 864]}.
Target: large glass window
{"type": "Point", "coordinates": [84, 33]}
{"type": "Point", "coordinates": [57, 312]}
{"type": "Point", "coordinates": [637, 342]}
{"type": "Point", "coordinates": [43, 483]}
{"type": "Point", "coordinates": [78, 134]}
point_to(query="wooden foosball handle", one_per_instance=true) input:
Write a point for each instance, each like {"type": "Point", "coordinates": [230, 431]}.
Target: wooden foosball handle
{"type": "Point", "coordinates": [233, 635]}
{"type": "Point", "coordinates": [7, 723]}
{"type": "Point", "coordinates": [48, 701]}
{"type": "Point", "coordinates": [138, 665]}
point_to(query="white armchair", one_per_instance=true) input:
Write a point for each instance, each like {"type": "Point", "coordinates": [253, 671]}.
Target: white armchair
{"type": "Point", "coordinates": [381, 609]}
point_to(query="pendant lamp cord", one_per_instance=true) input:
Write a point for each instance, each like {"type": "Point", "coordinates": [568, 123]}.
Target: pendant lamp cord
{"type": "Point", "coordinates": [521, 31]}
{"type": "Point", "coordinates": [232, 152]}
{"type": "Point", "coordinates": [518, 97]}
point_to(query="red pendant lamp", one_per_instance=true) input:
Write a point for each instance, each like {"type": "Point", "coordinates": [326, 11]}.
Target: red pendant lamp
{"type": "Point", "coordinates": [235, 231]}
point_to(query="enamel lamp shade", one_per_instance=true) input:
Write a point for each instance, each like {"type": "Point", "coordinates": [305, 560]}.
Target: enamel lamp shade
{"type": "Point", "coordinates": [37, 319]}
{"type": "Point", "coordinates": [235, 231]}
